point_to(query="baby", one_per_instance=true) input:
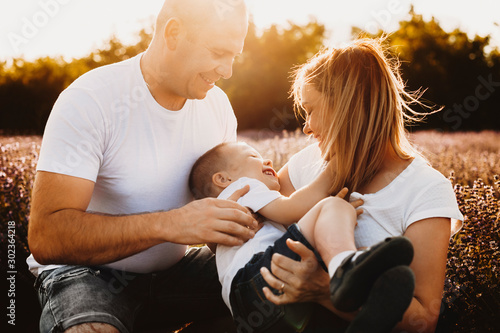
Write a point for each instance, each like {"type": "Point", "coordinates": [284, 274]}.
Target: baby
{"type": "Point", "coordinates": [377, 279]}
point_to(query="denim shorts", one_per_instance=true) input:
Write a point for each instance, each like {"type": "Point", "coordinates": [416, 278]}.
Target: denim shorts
{"type": "Point", "coordinates": [252, 312]}
{"type": "Point", "coordinates": [187, 292]}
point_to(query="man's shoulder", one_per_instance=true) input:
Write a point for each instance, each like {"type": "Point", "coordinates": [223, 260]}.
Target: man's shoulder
{"type": "Point", "coordinates": [107, 75]}
{"type": "Point", "coordinates": [216, 91]}
{"type": "Point", "coordinates": [216, 95]}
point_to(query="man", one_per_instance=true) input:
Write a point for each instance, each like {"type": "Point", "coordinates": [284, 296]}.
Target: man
{"type": "Point", "coordinates": [111, 215]}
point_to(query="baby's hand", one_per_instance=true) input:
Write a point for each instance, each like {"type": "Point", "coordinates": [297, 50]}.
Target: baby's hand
{"type": "Point", "coordinates": [342, 193]}
{"type": "Point", "coordinates": [357, 203]}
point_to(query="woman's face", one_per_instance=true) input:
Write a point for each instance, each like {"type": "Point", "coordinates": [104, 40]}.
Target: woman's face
{"type": "Point", "coordinates": [312, 102]}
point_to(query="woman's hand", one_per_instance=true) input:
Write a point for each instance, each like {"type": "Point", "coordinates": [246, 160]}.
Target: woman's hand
{"type": "Point", "coordinates": [299, 281]}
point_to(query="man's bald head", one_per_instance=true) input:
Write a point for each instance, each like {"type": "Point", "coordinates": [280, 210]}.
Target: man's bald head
{"type": "Point", "coordinates": [194, 45]}
{"type": "Point", "coordinates": [198, 14]}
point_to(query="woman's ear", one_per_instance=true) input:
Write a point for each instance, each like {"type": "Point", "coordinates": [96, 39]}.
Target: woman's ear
{"type": "Point", "coordinates": [172, 33]}
{"type": "Point", "coordinates": [222, 179]}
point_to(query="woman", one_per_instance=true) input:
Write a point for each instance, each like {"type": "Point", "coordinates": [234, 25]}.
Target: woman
{"type": "Point", "coordinates": [355, 105]}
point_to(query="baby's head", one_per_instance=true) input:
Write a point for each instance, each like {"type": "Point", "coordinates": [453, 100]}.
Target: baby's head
{"type": "Point", "coordinates": [225, 163]}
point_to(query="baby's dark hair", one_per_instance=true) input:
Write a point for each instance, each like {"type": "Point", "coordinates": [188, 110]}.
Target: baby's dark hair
{"type": "Point", "coordinates": [200, 178]}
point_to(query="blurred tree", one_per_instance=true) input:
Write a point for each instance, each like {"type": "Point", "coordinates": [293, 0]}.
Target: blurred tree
{"type": "Point", "coordinates": [114, 51]}
{"type": "Point", "coordinates": [456, 71]}
{"type": "Point", "coordinates": [28, 90]}
{"type": "Point", "coordinates": [258, 89]}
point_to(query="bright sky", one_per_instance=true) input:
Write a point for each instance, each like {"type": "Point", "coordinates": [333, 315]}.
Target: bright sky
{"type": "Point", "coordinates": [72, 28]}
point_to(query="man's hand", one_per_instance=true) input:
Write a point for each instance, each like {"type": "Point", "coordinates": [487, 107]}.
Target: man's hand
{"type": "Point", "coordinates": [218, 221]}
{"type": "Point", "coordinates": [58, 211]}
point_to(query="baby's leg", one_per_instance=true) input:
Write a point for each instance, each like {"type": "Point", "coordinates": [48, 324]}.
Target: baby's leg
{"type": "Point", "coordinates": [329, 227]}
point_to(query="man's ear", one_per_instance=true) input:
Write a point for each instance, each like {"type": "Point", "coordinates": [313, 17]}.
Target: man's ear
{"type": "Point", "coordinates": [222, 179]}
{"type": "Point", "coordinates": [172, 32]}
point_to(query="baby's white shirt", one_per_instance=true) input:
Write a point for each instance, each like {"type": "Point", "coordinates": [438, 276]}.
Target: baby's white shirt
{"type": "Point", "coordinates": [230, 259]}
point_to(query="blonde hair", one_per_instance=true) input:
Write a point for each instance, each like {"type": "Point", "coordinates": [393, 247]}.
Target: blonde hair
{"type": "Point", "coordinates": [364, 107]}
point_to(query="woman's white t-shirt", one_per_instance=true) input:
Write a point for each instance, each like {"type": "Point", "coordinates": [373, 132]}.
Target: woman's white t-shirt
{"type": "Point", "coordinates": [417, 193]}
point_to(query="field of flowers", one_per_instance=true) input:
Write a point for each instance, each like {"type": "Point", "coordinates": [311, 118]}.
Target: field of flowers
{"type": "Point", "coordinates": [471, 301]}
{"type": "Point", "coordinates": [470, 160]}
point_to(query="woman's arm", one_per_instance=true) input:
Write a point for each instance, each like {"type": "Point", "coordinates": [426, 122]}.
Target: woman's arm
{"type": "Point", "coordinates": [306, 281]}
{"type": "Point", "coordinates": [430, 239]}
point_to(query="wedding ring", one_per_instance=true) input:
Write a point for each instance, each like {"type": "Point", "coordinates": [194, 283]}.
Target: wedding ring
{"type": "Point", "coordinates": [282, 288]}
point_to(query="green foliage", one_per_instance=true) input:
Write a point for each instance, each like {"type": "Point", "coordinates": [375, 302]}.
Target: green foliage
{"type": "Point", "coordinates": [28, 90]}
{"type": "Point", "coordinates": [258, 89]}
{"type": "Point", "coordinates": [457, 72]}
{"type": "Point", "coordinates": [460, 74]}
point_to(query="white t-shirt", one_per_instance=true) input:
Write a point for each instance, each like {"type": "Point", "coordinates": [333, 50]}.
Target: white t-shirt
{"type": "Point", "coordinates": [230, 259]}
{"type": "Point", "coordinates": [417, 193]}
{"type": "Point", "coordinates": [107, 128]}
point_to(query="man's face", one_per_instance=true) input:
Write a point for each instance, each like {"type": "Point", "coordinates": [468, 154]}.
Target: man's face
{"type": "Point", "coordinates": [205, 56]}
{"type": "Point", "coordinates": [244, 161]}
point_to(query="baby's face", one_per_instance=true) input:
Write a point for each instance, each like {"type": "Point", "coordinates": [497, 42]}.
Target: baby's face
{"type": "Point", "coordinates": [244, 161]}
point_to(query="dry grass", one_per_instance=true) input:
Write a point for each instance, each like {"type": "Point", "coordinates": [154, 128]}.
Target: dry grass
{"type": "Point", "coordinates": [469, 155]}
{"type": "Point", "coordinates": [471, 160]}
